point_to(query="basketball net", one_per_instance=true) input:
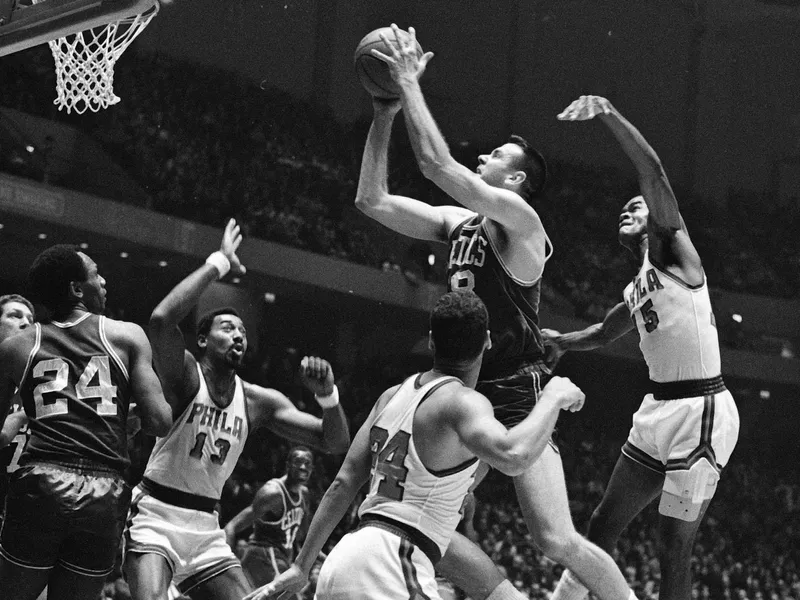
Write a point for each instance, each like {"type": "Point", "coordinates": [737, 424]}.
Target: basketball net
{"type": "Point", "coordinates": [85, 62]}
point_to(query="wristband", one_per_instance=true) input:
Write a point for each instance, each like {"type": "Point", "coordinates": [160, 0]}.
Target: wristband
{"type": "Point", "coordinates": [220, 262]}
{"type": "Point", "coordinates": [328, 401]}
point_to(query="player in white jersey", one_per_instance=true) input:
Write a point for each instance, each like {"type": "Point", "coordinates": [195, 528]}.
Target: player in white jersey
{"type": "Point", "coordinates": [419, 449]}
{"type": "Point", "coordinates": [685, 430]}
{"type": "Point", "coordinates": [173, 532]}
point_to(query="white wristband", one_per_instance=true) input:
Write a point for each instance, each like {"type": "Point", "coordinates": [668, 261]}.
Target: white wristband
{"type": "Point", "coordinates": [328, 401]}
{"type": "Point", "coordinates": [220, 262]}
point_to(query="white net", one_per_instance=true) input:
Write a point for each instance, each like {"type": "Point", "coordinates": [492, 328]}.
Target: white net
{"type": "Point", "coordinates": [85, 63]}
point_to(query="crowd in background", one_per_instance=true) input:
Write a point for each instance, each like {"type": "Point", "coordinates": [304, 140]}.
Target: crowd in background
{"type": "Point", "coordinates": [205, 145]}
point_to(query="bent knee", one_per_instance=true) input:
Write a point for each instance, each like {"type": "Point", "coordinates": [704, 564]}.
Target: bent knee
{"type": "Point", "coordinates": [560, 546]}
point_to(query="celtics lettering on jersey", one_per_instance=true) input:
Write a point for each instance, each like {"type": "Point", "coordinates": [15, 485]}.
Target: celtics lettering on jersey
{"type": "Point", "coordinates": [468, 249]}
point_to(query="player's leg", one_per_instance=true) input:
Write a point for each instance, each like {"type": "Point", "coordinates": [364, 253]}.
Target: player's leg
{"type": "Point", "coordinates": [231, 584]}
{"type": "Point", "coordinates": [468, 567]}
{"type": "Point", "coordinates": [21, 583]}
{"type": "Point", "coordinates": [631, 488]}
{"type": "Point", "coordinates": [260, 565]}
{"type": "Point", "coordinates": [542, 495]}
{"type": "Point", "coordinates": [677, 543]}
{"type": "Point", "coordinates": [66, 584]}
{"type": "Point", "coordinates": [148, 575]}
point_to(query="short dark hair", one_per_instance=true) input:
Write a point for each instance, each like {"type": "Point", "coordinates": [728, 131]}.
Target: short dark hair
{"type": "Point", "coordinates": [298, 448]}
{"type": "Point", "coordinates": [16, 298]}
{"type": "Point", "coordinates": [459, 321]}
{"type": "Point", "coordinates": [51, 273]}
{"type": "Point", "coordinates": [205, 322]}
{"type": "Point", "coordinates": [533, 165]}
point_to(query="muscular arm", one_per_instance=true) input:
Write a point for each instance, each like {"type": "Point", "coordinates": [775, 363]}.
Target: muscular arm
{"type": "Point", "coordinates": [508, 450]}
{"type": "Point", "coordinates": [663, 206]}
{"type": "Point", "coordinates": [616, 324]}
{"type": "Point", "coordinates": [275, 411]}
{"type": "Point", "coordinates": [465, 186]}
{"type": "Point", "coordinates": [401, 214]}
{"type": "Point", "coordinates": [155, 412]}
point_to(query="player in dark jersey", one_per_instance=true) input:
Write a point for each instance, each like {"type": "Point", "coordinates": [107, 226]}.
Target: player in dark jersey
{"type": "Point", "coordinates": [77, 372]}
{"type": "Point", "coordinates": [278, 512]}
{"type": "Point", "coordinates": [498, 248]}
{"type": "Point", "coordinates": [16, 314]}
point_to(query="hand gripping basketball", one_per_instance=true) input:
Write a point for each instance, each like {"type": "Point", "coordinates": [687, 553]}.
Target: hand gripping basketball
{"type": "Point", "coordinates": [404, 61]}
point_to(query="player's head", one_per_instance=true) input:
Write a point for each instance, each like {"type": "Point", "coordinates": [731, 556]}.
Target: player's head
{"type": "Point", "coordinates": [299, 464]}
{"type": "Point", "coordinates": [221, 335]}
{"type": "Point", "coordinates": [459, 328]}
{"type": "Point", "coordinates": [633, 222]}
{"type": "Point", "coordinates": [62, 277]}
{"type": "Point", "coordinates": [16, 314]}
{"type": "Point", "coordinates": [515, 165]}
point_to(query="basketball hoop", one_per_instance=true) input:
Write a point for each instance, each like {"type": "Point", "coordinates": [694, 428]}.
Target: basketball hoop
{"type": "Point", "coordinates": [85, 61]}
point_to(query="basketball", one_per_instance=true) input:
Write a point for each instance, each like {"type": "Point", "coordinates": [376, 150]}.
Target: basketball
{"type": "Point", "coordinates": [373, 72]}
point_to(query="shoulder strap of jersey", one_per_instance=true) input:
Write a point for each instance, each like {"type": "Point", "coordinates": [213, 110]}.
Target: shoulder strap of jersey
{"type": "Point", "coordinates": [36, 345]}
{"type": "Point", "coordinates": [110, 350]}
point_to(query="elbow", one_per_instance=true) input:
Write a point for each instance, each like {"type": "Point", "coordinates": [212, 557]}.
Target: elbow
{"type": "Point", "coordinates": [159, 321]}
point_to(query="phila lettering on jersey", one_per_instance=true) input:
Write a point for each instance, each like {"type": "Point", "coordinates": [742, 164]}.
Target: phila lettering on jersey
{"type": "Point", "coordinates": [282, 532]}
{"type": "Point", "coordinates": [513, 304]}
{"type": "Point", "coordinates": [676, 326]}
{"type": "Point", "coordinates": [401, 487]}
{"type": "Point", "coordinates": [199, 453]}
{"type": "Point", "coordinates": [76, 393]}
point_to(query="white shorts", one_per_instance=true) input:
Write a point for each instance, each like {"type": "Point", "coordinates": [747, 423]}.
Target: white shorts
{"type": "Point", "coordinates": [191, 541]}
{"type": "Point", "coordinates": [374, 564]}
{"type": "Point", "coordinates": [672, 435]}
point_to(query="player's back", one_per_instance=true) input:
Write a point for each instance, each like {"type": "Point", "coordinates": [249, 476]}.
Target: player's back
{"type": "Point", "coordinates": [474, 264]}
{"type": "Point", "coordinates": [402, 488]}
{"type": "Point", "coordinates": [76, 391]}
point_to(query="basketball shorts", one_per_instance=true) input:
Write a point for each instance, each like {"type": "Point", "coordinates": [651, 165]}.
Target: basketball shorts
{"type": "Point", "coordinates": [191, 541]}
{"type": "Point", "coordinates": [682, 423]}
{"type": "Point", "coordinates": [59, 515]}
{"type": "Point", "coordinates": [375, 563]}
{"type": "Point", "coordinates": [515, 395]}
{"type": "Point", "coordinates": [262, 562]}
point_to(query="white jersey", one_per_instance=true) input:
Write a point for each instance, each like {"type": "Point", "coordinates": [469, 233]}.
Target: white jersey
{"type": "Point", "coordinates": [675, 322]}
{"type": "Point", "coordinates": [201, 449]}
{"type": "Point", "coordinates": [401, 487]}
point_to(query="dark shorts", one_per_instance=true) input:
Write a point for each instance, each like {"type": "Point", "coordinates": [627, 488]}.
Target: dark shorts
{"type": "Point", "coordinates": [514, 396]}
{"type": "Point", "coordinates": [262, 563]}
{"type": "Point", "coordinates": [67, 516]}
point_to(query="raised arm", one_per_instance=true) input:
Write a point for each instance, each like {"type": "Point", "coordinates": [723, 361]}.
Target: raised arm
{"type": "Point", "coordinates": [352, 475]}
{"type": "Point", "coordinates": [433, 155]}
{"type": "Point", "coordinates": [401, 214]}
{"type": "Point", "coordinates": [273, 410]}
{"type": "Point", "coordinates": [175, 366]}
{"type": "Point", "coordinates": [514, 450]}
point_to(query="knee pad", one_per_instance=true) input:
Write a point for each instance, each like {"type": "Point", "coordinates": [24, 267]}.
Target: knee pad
{"type": "Point", "coordinates": [685, 490]}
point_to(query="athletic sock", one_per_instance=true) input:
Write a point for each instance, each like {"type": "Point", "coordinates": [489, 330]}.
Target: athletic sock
{"type": "Point", "coordinates": [506, 591]}
{"type": "Point", "coordinates": [569, 588]}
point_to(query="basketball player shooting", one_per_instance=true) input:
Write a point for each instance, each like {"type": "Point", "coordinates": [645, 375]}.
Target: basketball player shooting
{"type": "Point", "coordinates": [685, 430]}
{"type": "Point", "coordinates": [498, 249]}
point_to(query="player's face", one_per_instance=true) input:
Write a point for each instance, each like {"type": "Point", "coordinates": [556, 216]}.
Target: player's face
{"type": "Point", "coordinates": [496, 167]}
{"type": "Point", "coordinates": [94, 288]}
{"type": "Point", "coordinates": [14, 318]}
{"type": "Point", "coordinates": [227, 339]}
{"type": "Point", "coordinates": [633, 221]}
{"type": "Point", "coordinates": [300, 466]}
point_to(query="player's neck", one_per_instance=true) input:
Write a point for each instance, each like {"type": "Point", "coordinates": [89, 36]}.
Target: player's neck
{"type": "Point", "coordinates": [218, 374]}
{"type": "Point", "coordinates": [68, 314]}
{"type": "Point", "coordinates": [466, 372]}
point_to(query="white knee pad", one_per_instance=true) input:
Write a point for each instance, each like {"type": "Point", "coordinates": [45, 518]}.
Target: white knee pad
{"type": "Point", "coordinates": [685, 490]}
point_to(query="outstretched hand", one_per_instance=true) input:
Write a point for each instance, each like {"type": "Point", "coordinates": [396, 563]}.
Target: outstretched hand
{"type": "Point", "coordinates": [552, 349]}
{"type": "Point", "coordinates": [231, 239]}
{"type": "Point", "coordinates": [317, 375]}
{"type": "Point", "coordinates": [403, 60]}
{"type": "Point", "coordinates": [585, 108]}
{"type": "Point", "coordinates": [285, 585]}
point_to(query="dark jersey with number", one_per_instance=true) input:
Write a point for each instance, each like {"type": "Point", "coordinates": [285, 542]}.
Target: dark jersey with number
{"type": "Point", "coordinates": [76, 393]}
{"type": "Point", "coordinates": [281, 532]}
{"type": "Point", "coordinates": [513, 304]}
